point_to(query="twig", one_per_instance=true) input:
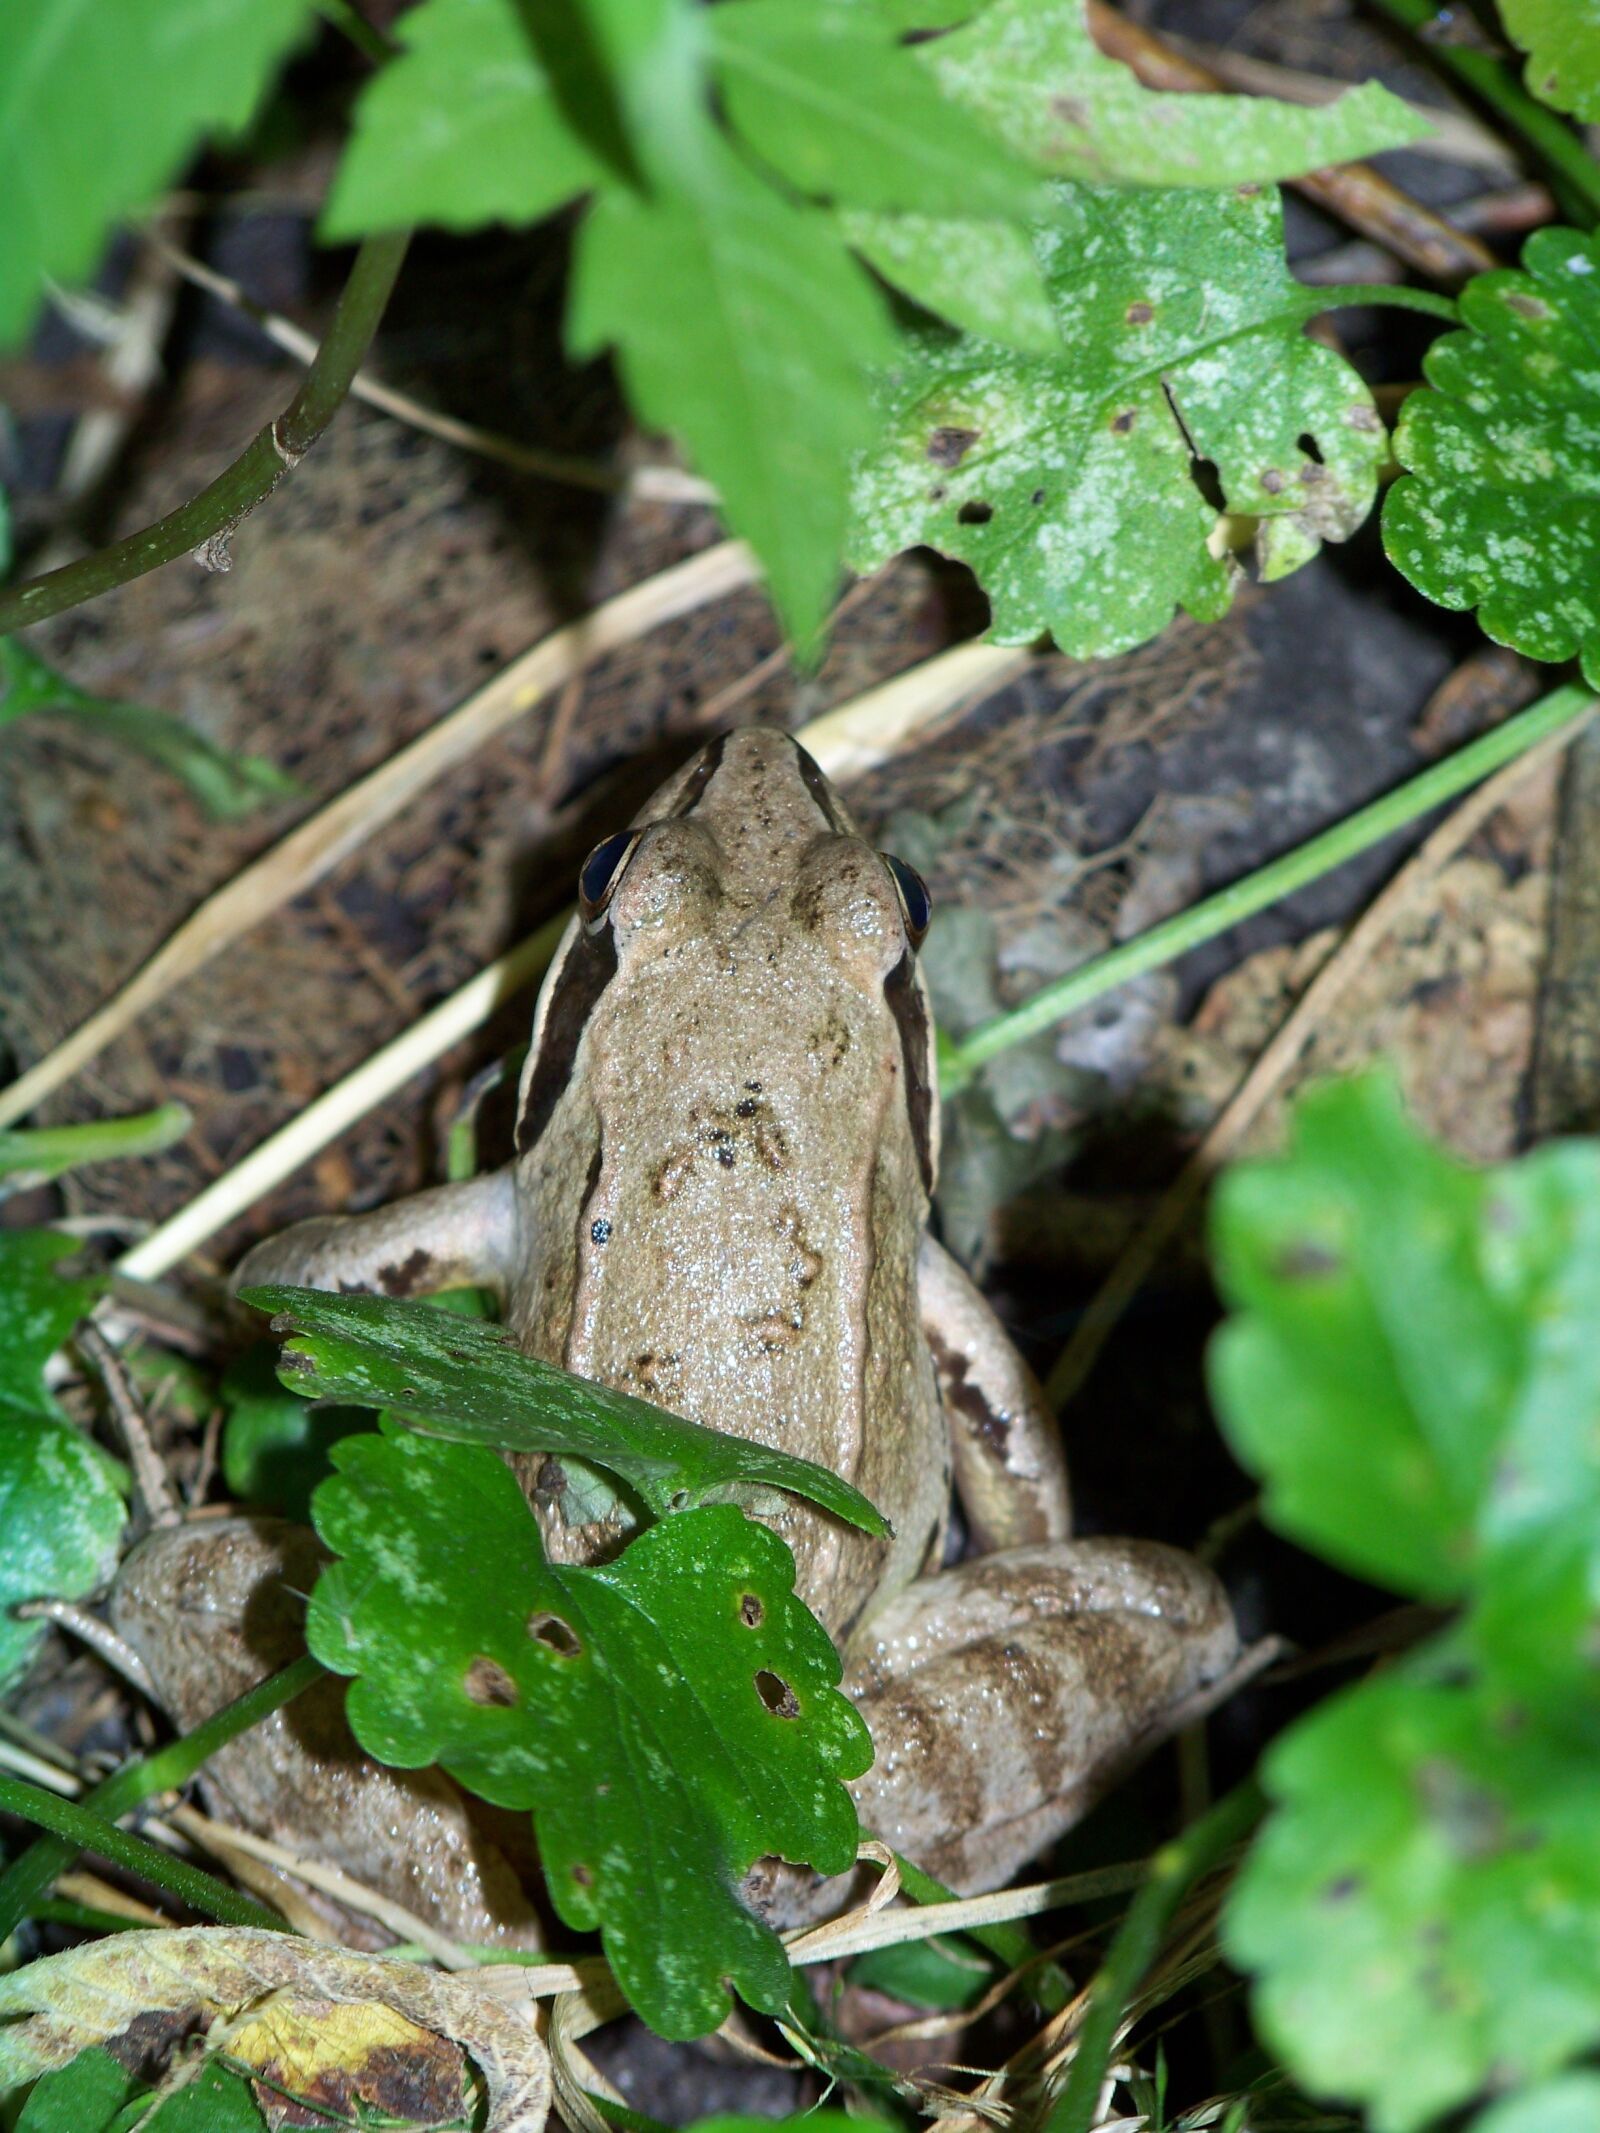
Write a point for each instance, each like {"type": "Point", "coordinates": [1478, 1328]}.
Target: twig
{"type": "Point", "coordinates": [1559, 712]}
{"type": "Point", "coordinates": [855, 737]}
{"type": "Point", "coordinates": [1576, 174]}
{"type": "Point", "coordinates": [1142, 1252]}
{"type": "Point", "coordinates": [204, 525]}
{"type": "Point", "coordinates": [660, 484]}
{"type": "Point", "coordinates": [320, 842]}
{"type": "Point", "coordinates": [151, 1479]}
{"type": "Point", "coordinates": [1355, 192]}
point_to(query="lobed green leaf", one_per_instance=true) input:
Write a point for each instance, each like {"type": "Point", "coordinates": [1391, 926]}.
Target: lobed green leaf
{"type": "Point", "coordinates": [669, 1717]}
{"type": "Point", "coordinates": [1032, 71]}
{"type": "Point", "coordinates": [1071, 482]}
{"type": "Point", "coordinates": [465, 1379]}
{"type": "Point", "coordinates": [1498, 509]}
{"type": "Point", "coordinates": [1562, 41]}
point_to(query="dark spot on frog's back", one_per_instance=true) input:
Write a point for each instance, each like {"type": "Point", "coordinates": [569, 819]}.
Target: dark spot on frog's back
{"type": "Point", "coordinates": [411, 1276]}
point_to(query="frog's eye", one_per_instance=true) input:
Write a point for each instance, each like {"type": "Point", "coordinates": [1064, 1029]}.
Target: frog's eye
{"type": "Point", "coordinates": [600, 873]}
{"type": "Point", "coordinates": [915, 902]}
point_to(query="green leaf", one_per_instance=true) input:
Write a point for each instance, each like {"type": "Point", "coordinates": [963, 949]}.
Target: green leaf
{"type": "Point", "coordinates": [1569, 2104]}
{"type": "Point", "coordinates": [981, 276]}
{"type": "Point", "coordinates": [1562, 41]}
{"type": "Point", "coordinates": [1419, 1910]}
{"type": "Point", "coordinates": [927, 1973]}
{"type": "Point", "coordinates": [464, 1379]}
{"type": "Point", "coordinates": [1069, 483]}
{"type": "Point", "coordinates": [226, 785]}
{"type": "Point", "coordinates": [99, 109]}
{"type": "Point", "coordinates": [276, 1446]}
{"type": "Point", "coordinates": [824, 91]}
{"type": "Point", "coordinates": [1498, 508]}
{"type": "Point", "coordinates": [84, 2096]}
{"type": "Point", "coordinates": [460, 130]}
{"type": "Point", "coordinates": [60, 1512]}
{"type": "Point", "coordinates": [1033, 73]}
{"type": "Point", "coordinates": [38, 1153]}
{"type": "Point", "coordinates": [1412, 1354]}
{"type": "Point", "coordinates": [670, 1716]}
{"type": "Point", "coordinates": [742, 323]}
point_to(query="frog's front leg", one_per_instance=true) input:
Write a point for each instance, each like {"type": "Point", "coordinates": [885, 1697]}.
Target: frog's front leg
{"type": "Point", "coordinates": [450, 1237]}
{"type": "Point", "coordinates": [1005, 1695]}
{"type": "Point", "coordinates": [1010, 1472]}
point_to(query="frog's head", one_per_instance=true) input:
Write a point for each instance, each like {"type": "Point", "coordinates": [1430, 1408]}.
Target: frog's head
{"type": "Point", "coordinates": [742, 929]}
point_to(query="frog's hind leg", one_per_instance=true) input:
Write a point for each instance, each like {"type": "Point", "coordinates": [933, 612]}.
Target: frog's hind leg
{"type": "Point", "coordinates": [1011, 1474]}
{"type": "Point", "coordinates": [1005, 1695]}
{"type": "Point", "coordinates": [450, 1237]}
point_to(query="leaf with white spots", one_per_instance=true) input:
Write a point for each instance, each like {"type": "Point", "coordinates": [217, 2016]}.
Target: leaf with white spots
{"type": "Point", "coordinates": [670, 1716]}
{"type": "Point", "coordinates": [1562, 41]}
{"type": "Point", "coordinates": [1030, 70]}
{"type": "Point", "coordinates": [1500, 507]}
{"type": "Point", "coordinates": [60, 1512]}
{"type": "Point", "coordinates": [450, 1376]}
{"type": "Point", "coordinates": [1081, 486]}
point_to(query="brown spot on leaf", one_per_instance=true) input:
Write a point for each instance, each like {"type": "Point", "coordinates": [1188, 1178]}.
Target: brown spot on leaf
{"type": "Point", "coordinates": [1527, 306]}
{"type": "Point", "coordinates": [1124, 421]}
{"type": "Point", "coordinates": [751, 1612]}
{"type": "Point", "coordinates": [777, 1695]}
{"type": "Point", "coordinates": [487, 1683]}
{"type": "Point", "coordinates": [1272, 481]}
{"type": "Point", "coordinates": [1140, 313]}
{"type": "Point", "coordinates": [949, 445]}
{"type": "Point", "coordinates": [556, 1635]}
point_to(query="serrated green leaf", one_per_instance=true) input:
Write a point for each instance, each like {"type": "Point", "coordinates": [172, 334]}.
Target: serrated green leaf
{"type": "Point", "coordinates": [742, 323]}
{"type": "Point", "coordinates": [1419, 1909]}
{"type": "Point", "coordinates": [981, 276]}
{"type": "Point", "coordinates": [1032, 71]}
{"type": "Point", "coordinates": [1069, 483]}
{"type": "Point", "coordinates": [823, 91]}
{"type": "Point", "coordinates": [99, 107]}
{"type": "Point", "coordinates": [60, 1513]}
{"type": "Point", "coordinates": [1498, 509]}
{"type": "Point", "coordinates": [670, 1716]}
{"type": "Point", "coordinates": [225, 784]}
{"type": "Point", "coordinates": [460, 130]}
{"type": "Point", "coordinates": [1412, 1354]}
{"type": "Point", "coordinates": [1562, 41]}
{"type": "Point", "coordinates": [464, 1379]}
{"type": "Point", "coordinates": [37, 1153]}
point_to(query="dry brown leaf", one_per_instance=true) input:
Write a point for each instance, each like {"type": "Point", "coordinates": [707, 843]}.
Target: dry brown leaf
{"type": "Point", "coordinates": [140, 1994]}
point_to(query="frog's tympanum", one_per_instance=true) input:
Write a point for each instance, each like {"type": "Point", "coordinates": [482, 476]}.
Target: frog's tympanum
{"type": "Point", "coordinates": [727, 1132]}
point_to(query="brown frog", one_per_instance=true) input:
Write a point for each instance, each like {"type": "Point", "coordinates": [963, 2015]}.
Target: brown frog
{"type": "Point", "coordinates": [727, 1137]}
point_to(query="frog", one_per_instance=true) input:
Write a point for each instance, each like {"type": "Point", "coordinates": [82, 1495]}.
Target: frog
{"type": "Point", "coordinates": [721, 1201]}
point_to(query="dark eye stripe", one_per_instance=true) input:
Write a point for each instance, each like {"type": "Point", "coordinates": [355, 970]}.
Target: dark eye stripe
{"type": "Point", "coordinates": [704, 771]}
{"type": "Point", "coordinates": [585, 972]}
{"type": "Point", "coordinates": [817, 786]}
{"type": "Point", "coordinates": [905, 1002]}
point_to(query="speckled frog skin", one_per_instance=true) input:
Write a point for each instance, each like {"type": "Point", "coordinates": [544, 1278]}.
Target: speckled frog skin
{"type": "Point", "coordinates": [728, 1131]}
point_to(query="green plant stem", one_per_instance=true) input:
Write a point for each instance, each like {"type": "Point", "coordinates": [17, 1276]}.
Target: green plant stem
{"type": "Point", "coordinates": [1203, 921]}
{"type": "Point", "coordinates": [1342, 295]}
{"type": "Point", "coordinates": [28, 1877]}
{"type": "Point", "coordinates": [1549, 137]}
{"type": "Point", "coordinates": [209, 519]}
{"type": "Point", "coordinates": [1173, 1872]}
{"type": "Point", "coordinates": [85, 1831]}
{"type": "Point", "coordinates": [1011, 1944]}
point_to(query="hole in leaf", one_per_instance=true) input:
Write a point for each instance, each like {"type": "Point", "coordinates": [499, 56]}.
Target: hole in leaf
{"type": "Point", "coordinates": [751, 1612]}
{"type": "Point", "coordinates": [557, 1636]}
{"type": "Point", "coordinates": [1203, 473]}
{"type": "Point", "coordinates": [1308, 444]}
{"type": "Point", "coordinates": [489, 1684]}
{"type": "Point", "coordinates": [975, 513]}
{"type": "Point", "coordinates": [777, 1695]}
